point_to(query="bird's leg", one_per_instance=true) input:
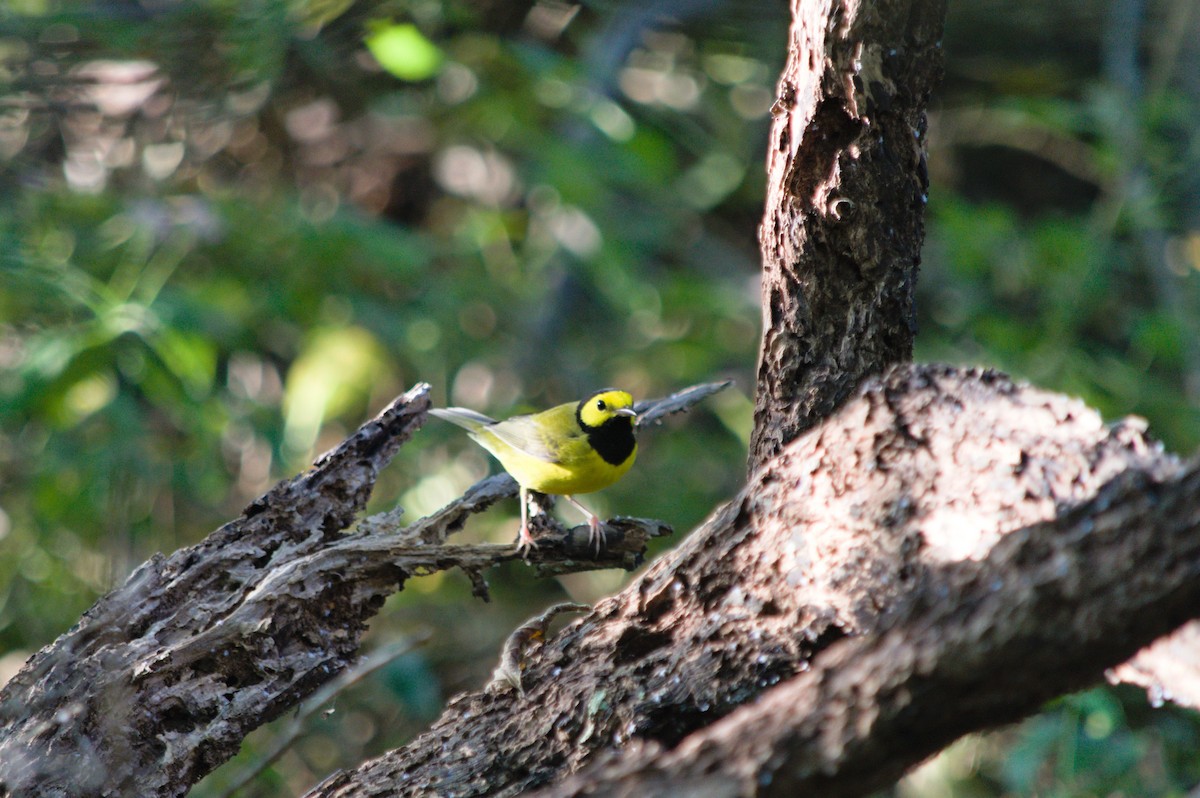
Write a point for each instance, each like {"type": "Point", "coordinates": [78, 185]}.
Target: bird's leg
{"type": "Point", "coordinates": [595, 527]}
{"type": "Point", "coordinates": [525, 541]}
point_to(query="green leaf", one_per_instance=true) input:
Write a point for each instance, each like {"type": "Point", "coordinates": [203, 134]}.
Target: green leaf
{"type": "Point", "coordinates": [403, 51]}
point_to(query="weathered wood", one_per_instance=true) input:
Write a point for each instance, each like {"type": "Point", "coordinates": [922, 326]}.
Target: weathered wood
{"type": "Point", "coordinates": [873, 520]}
{"type": "Point", "coordinates": [655, 410]}
{"type": "Point", "coordinates": [985, 643]}
{"type": "Point", "coordinates": [843, 223]}
{"type": "Point", "coordinates": [163, 678]}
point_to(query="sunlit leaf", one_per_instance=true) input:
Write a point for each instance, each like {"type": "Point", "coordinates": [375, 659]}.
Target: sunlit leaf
{"type": "Point", "coordinates": [404, 51]}
{"type": "Point", "coordinates": [336, 368]}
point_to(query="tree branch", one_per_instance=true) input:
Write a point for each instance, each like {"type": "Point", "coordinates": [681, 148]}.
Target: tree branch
{"type": "Point", "coordinates": [936, 511]}
{"type": "Point", "coordinates": [378, 659]}
{"type": "Point", "coordinates": [987, 643]}
{"type": "Point", "coordinates": [164, 676]}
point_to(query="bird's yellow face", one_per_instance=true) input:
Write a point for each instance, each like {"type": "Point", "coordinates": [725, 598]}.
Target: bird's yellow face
{"type": "Point", "coordinates": [604, 406]}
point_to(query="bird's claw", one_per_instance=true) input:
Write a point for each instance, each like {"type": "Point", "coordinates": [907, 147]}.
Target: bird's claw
{"type": "Point", "coordinates": [596, 533]}
{"type": "Point", "coordinates": [525, 543]}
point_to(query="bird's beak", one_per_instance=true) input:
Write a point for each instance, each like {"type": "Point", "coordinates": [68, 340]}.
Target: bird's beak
{"type": "Point", "coordinates": [626, 411]}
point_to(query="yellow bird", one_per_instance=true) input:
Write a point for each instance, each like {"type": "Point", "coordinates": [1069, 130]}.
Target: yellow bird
{"type": "Point", "coordinates": [577, 447]}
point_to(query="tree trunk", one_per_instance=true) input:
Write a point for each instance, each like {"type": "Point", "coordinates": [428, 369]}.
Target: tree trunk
{"type": "Point", "coordinates": [846, 188]}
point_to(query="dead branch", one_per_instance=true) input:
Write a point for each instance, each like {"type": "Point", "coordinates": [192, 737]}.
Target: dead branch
{"type": "Point", "coordinates": [1049, 608]}
{"type": "Point", "coordinates": [937, 508]}
{"type": "Point", "coordinates": [164, 676]}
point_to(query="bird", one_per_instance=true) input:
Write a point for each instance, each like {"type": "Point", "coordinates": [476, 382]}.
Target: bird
{"type": "Point", "coordinates": [576, 447]}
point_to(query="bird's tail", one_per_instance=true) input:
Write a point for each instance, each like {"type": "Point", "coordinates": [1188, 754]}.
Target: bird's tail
{"type": "Point", "coordinates": [467, 419]}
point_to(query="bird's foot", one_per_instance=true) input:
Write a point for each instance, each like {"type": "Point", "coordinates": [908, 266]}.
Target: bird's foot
{"type": "Point", "coordinates": [595, 533]}
{"type": "Point", "coordinates": [595, 525]}
{"type": "Point", "coordinates": [525, 542]}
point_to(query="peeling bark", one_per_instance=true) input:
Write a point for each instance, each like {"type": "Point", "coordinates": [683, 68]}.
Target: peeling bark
{"type": "Point", "coordinates": [162, 679]}
{"type": "Point", "coordinates": [860, 533]}
{"type": "Point", "coordinates": [985, 643]}
{"type": "Point", "coordinates": [843, 226]}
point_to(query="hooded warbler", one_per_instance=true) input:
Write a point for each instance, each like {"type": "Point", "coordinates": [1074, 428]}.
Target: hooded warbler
{"type": "Point", "coordinates": [577, 447]}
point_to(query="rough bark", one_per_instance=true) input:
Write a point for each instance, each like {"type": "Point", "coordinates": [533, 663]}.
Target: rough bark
{"type": "Point", "coordinates": [1168, 670]}
{"type": "Point", "coordinates": [162, 679]}
{"type": "Point", "coordinates": [843, 225]}
{"type": "Point", "coordinates": [985, 643]}
{"type": "Point", "coordinates": [164, 676]}
{"type": "Point", "coordinates": [872, 522]}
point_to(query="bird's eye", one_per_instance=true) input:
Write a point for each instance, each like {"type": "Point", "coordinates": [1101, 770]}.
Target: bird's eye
{"type": "Point", "coordinates": [600, 405]}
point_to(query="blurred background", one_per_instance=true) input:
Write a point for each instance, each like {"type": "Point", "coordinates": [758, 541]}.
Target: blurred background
{"type": "Point", "coordinates": [230, 232]}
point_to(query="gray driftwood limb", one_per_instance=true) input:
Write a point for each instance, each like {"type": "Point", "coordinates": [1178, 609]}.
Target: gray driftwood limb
{"type": "Point", "coordinates": [162, 679]}
{"type": "Point", "coordinates": [652, 411]}
{"type": "Point", "coordinates": [164, 676]}
{"type": "Point", "coordinates": [883, 585]}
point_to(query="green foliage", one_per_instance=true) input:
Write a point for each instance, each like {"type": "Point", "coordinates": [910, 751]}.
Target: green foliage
{"type": "Point", "coordinates": [1099, 742]}
{"type": "Point", "coordinates": [403, 51]}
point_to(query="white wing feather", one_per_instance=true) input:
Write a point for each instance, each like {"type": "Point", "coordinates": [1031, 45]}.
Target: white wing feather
{"type": "Point", "coordinates": [519, 432]}
{"type": "Point", "coordinates": [467, 419]}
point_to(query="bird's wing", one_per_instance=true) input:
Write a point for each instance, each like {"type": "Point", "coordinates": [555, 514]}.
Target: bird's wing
{"type": "Point", "coordinates": [526, 434]}
{"type": "Point", "coordinates": [467, 419]}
